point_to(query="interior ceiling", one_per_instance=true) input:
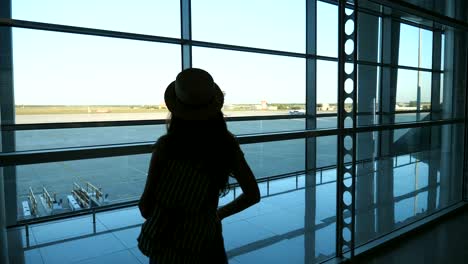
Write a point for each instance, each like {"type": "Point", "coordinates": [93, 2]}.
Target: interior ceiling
{"type": "Point", "coordinates": [456, 9]}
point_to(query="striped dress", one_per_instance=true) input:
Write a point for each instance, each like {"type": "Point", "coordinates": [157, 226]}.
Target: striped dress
{"type": "Point", "coordinates": [183, 227]}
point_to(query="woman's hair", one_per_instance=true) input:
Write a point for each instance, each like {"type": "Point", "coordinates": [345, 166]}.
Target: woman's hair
{"type": "Point", "coordinates": [207, 142]}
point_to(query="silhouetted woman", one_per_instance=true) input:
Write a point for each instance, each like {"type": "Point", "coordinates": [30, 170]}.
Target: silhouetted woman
{"type": "Point", "coordinates": [188, 172]}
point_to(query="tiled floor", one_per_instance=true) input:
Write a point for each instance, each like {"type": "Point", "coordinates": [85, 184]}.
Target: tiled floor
{"type": "Point", "coordinates": [442, 242]}
{"type": "Point", "coordinates": [286, 227]}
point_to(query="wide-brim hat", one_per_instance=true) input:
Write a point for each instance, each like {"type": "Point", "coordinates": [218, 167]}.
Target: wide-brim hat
{"type": "Point", "coordinates": [194, 95]}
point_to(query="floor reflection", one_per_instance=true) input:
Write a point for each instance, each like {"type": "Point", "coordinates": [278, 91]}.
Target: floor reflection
{"type": "Point", "coordinates": [295, 222]}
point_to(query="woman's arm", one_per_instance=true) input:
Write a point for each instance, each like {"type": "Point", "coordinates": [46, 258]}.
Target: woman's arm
{"type": "Point", "coordinates": [146, 202]}
{"type": "Point", "coordinates": [250, 192]}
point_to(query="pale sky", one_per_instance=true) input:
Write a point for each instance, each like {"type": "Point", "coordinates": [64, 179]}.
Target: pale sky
{"type": "Point", "coordinates": [70, 69]}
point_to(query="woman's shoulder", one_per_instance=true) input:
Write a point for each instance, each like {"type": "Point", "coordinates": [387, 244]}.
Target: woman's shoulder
{"type": "Point", "coordinates": [235, 146]}
{"type": "Point", "coordinates": [160, 146]}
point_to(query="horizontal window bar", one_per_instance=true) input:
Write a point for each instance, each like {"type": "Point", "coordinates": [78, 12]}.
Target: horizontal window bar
{"type": "Point", "coordinates": [62, 125]}
{"type": "Point", "coordinates": [85, 31]}
{"type": "Point", "coordinates": [395, 66]}
{"type": "Point", "coordinates": [54, 155]}
{"type": "Point", "coordinates": [35, 126]}
{"type": "Point", "coordinates": [247, 49]}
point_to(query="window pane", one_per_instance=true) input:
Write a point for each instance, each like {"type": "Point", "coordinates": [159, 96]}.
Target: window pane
{"type": "Point", "coordinates": [441, 88]}
{"type": "Point", "coordinates": [368, 88]}
{"type": "Point", "coordinates": [275, 158]}
{"type": "Point", "coordinates": [265, 126]}
{"type": "Point", "coordinates": [426, 49]}
{"type": "Point", "coordinates": [146, 16]}
{"type": "Point", "coordinates": [411, 87]}
{"type": "Point", "coordinates": [425, 84]}
{"type": "Point", "coordinates": [327, 29]}
{"type": "Point", "coordinates": [415, 47]}
{"type": "Point", "coordinates": [88, 136]}
{"type": "Point", "coordinates": [395, 191]}
{"type": "Point", "coordinates": [120, 179]}
{"type": "Point", "coordinates": [68, 78]}
{"type": "Point", "coordinates": [442, 53]}
{"type": "Point", "coordinates": [326, 151]}
{"type": "Point", "coordinates": [255, 84]}
{"type": "Point", "coordinates": [327, 86]}
{"type": "Point", "coordinates": [407, 89]}
{"type": "Point", "coordinates": [368, 37]}
{"type": "Point", "coordinates": [408, 52]}
{"type": "Point", "coordinates": [327, 122]}
{"type": "Point", "coordinates": [276, 25]}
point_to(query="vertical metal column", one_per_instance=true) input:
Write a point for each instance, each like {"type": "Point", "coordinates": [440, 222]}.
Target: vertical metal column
{"type": "Point", "coordinates": [3, 236]}
{"type": "Point", "coordinates": [311, 123]}
{"type": "Point", "coordinates": [7, 140]}
{"type": "Point", "coordinates": [7, 108]}
{"type": "Point", "coordinates": [465, 149]}
{"type": "Point", "coordinates": [434, 165]}
{"type": "Point", "coordinates": [347, 53]}
{"type": "Point", "coordinates": [388, 81]}
{"type": "Point", "coordinates": [368, 40]}
{"type": "Point", "coordinates": [448, 111]}
{"type": "Point", "coordinates": [186, 32]}
{"type": "Point", "coordinates": [463, 8]}
{"type": "Point", "coordinates": [436, 77]}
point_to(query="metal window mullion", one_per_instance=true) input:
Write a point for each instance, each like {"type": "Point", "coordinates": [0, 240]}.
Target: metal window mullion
{"type": "Point", "coordinates": [465, 149]}
{"type": "Point", "coordinates": [311, 124]}
{"type": "Point", "coordinates": [311, 81]}
{"type": "Point", "coordinates": [341, 243]}
{"type": "Point", "coordinates": [186, 33]}
{"type": "Point", "coordinates": [435, 114]}
{"type": "Point", "coordinates": [436, 76]}
{"type": "Point", "coordinates": [354, 134]}
{"type": "Point", "coordinates": [7, 108]}
{"type": "Point", "coordinates": [389, 54]}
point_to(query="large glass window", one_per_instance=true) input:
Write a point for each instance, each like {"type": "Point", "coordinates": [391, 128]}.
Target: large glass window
{"type": "Point", "coordinates": [86, 93]}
